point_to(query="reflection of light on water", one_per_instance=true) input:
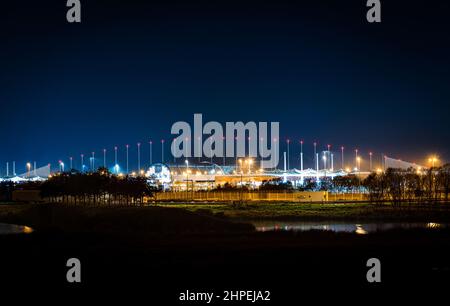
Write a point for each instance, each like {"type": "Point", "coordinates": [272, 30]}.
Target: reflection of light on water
{"type": "Point", "coordinates": [341, 227]}
{"type": "Point", "coordinates": [359, 230]}
{"type": "Point", "coordinates": [27, 230]}
{"type": "Point", "coordinates": [7, 229]}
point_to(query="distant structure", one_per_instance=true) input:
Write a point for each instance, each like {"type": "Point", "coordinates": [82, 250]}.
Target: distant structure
{"type": "Point", "coordinates": [399, 164]}
{"type": "Point", "coordinates": [33, 175]}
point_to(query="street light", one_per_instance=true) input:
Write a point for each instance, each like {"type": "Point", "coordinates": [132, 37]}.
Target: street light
{"type": "Point", "coordinates": [187, 175]}
{"type": "Point", "coordinates": [28, 169]}
{"type": "Point", "coordinates": [288, 142]}
{"type": "Point", "coordinates": [139, 156]}
{"type": "Point", "coordinates": [150, 154]}
{"type": "Point", "coordinates": [301, 155]}
{"type": "Point", "coordinates": [162, 151]}
{"type": "Point", "coordinates": [433, 160]}
{"type": "Point", "coordinates": [115, 156]}
{"type": "Point", "coordinates": [127, 146]}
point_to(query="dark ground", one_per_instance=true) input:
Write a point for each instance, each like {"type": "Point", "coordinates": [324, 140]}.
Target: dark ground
{"type": "Point", "coordinates": [156, 264]}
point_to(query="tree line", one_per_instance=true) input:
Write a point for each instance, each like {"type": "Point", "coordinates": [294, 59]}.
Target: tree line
{"type": "Point", "coordinates": [399, 185]}
{"type": "Point", "coordinates": [95, 188]}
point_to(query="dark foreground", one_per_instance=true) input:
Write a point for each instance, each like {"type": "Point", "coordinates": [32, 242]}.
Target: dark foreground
{"type": "Point", "coordinates": [158, 253]}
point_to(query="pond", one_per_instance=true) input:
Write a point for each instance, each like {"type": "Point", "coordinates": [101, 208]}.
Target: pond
{"type": "Point", "coordinates": [6, 229]}
{"type": "Point", "coordinates": [346, 227]}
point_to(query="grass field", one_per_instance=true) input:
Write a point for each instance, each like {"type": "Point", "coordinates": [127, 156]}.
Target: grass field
{"type": "Point", "coordinates": [309, 211]}
{"type": "Point", "coordinates": [245, 211]}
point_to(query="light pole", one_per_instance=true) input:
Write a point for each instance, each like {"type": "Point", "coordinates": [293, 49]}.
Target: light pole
{"type": "Point", "coordinates": [28, 169]}
{"type": "Point", "coordinates": [115, 157]}
{"type": "Point", "coordinates": [127, 147]}
{"type": "Point", "coordinates": [162, 150]}
{"type": "Point", "coordinates": [370, 161]}
{"type": "Point", "coordinates": [315, 155]}
{"type": "Point", "coordinates": [185, 148]}
{"type": "Point", "coordinates": [276, 157]}
{"type": "Point", "coordinates": [301, 155]}
{"type": "Point", "coordinates": [210, 148]}
{"type": "Point", "coordinates": [356, 159]}
{"type": "Point", "coordinates": [342, 157]}
{"type": "Point", "coordinates": [187, 175]}
{"type": "Point", "coordinates": [223, 154]}
{"type": "Point", "coordinates": [139, 156]}
{"type": "Point", "coordinates": [93, 161]}
{"type": "Point", "coordinates": [104, 158]}
{"type": "Point", "coordinates": [150, 154]}
{"type": "Point", "coordinates": [288, 142]}
{"type": "Point", "coordinates": [329, 152]}
{"type": "Point", "coordinates": [82, 162]}
{"type": "Point", "coordinates": [199, 147]}
{"type": "Point", "coordinates": [261, 160]}
{"type": "Point", "coordinates": [71, 163]}
{"type": "Point", "coordinates": [236, 155]}
{"type": "Point", "coordinates": [332, 161]}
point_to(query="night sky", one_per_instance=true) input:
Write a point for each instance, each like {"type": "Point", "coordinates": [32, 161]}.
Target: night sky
{"type": "Point", "coordinates": [133, 68]}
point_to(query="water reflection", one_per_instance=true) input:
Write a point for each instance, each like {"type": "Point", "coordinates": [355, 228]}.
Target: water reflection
{"type": "Point", "coordinates": [360, 228]}
{"type": "Point", "coordinates": [14, 229]}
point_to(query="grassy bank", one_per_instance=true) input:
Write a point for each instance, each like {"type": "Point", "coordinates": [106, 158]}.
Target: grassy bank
{"type": "Point", "coordinates": [175, 247]}
{"type": "Point", "coordinates": [203, 218]}
{"type": "Point", "coordinates": [307, 211]}
{"type": "Point", "coordinates": [147, 220]}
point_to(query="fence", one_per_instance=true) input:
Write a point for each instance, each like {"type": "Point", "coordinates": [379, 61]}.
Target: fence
{"type": "Point", "coordinates": [225, 196]}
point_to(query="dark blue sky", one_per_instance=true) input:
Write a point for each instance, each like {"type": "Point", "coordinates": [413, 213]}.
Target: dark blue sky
{"type": "Point", "coordinates": [132, 68]}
